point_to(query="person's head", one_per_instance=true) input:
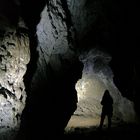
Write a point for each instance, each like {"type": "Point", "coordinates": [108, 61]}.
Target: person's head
{"type": "Point", "coordinates": [106, 93]}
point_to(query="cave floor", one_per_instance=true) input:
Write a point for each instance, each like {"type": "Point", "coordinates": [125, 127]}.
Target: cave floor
{"type": "Point", "coordinates": [121, 131]}
{"type": "Point", "coordinates": [87, 129]}
{"type": "Point", "coordinates": [83, 128]}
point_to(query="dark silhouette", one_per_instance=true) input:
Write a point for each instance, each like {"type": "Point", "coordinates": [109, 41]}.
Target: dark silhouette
{"type": "Point", "coordinates": [107, 109]}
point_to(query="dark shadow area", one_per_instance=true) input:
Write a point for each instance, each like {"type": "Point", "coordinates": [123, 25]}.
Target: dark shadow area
{"type": "Point", "coordinates": [8, 8]}
{"type": "Point", "coordinates": [51, 105]}
{"type": "Point", "coordinates": [30, 10]}
{"type": "Point", "coordinates": [121, 131]}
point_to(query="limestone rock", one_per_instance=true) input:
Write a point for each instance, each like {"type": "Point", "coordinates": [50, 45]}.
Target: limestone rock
{"type": "Point", "coordinates": [53, 43]}
{"type": "Point", "coordinates": [84, 14]}
{"type": "Point", "coordinates": [97, 76]}
{"type": "Point", "coordinates": [14, 56]}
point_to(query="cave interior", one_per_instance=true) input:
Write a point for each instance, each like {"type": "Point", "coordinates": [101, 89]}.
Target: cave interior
{"type": "Point", "coordinates": [48, 108]}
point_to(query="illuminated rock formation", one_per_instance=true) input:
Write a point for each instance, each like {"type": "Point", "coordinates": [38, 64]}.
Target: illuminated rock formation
{"type": "Point", "coordinates": [53, 39]}
{"type": "Point", "coordinates": [14, 56]}
{"type": "Point", "coordinates": [98, 76]}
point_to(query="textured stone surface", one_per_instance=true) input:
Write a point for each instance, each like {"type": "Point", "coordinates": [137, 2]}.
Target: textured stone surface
{"type": "Point", "coordinates": [84, 14]}
{"type": "Point", "coordinates": [14, 56]}
{"type": "Point", "coordinates": [53, 42]}
{"type": "Point", "coordinates": [97, 76]}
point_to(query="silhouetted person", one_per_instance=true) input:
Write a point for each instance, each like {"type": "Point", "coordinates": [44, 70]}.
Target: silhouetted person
{"type": "Point", "coordinates": [107, 109]}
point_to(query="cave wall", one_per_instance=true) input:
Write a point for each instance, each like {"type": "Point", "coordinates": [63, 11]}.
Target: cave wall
{"type": "Point", "coordinates": [53, 43]}
{"type": "Point", "coordinates": [14, 57]}
{"type": "Point", "coordinates": [63, 31]}
{"type": "Point", "coordinates": [97, 77]}
{"type": "Point", "coordinates": [52, 95]}
{"type": "Point", "coordinates": [59, 31]}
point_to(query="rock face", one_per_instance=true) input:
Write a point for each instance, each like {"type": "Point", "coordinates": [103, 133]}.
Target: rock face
{"type": "Point", "coordinates": [97, 76]}
{"type": "Point", "coordinates": [84, 14]}
{"type": "Point", "coordinates": [14, 56]}
{"type": "Point", "coordinates": [53, 43]}
{"type": "Point", "coordinates": [53, 34]}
